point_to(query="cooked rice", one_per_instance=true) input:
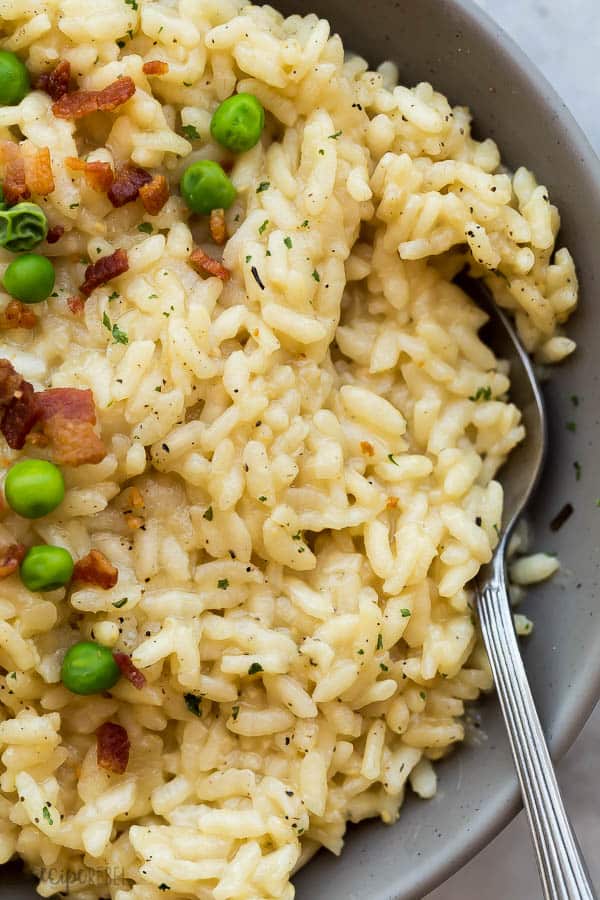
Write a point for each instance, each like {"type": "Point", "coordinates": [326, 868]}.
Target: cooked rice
{"type": "Point", "coordinates": [316, 459]}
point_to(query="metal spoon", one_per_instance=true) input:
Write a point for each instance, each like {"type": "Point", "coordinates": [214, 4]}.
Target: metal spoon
{"type": "Point", "coordinates": [562, 868]}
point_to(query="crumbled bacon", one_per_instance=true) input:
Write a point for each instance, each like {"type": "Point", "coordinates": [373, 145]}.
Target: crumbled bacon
{"type": "Point", "coordinates": [10, 559]}
{"type": "Point", "coordinates": [367, 448]}
{"type": "Point", "coordinates": [103, 270]}
{"type": "Point", "coordinates": [56, 82]}
{"type": "Point", "coordinates": [66, 415]}
{"type": "Point", "coordinates": [126, 186]}
{"type": "Point", "coordinates": [97, 570]}
{"type": "Point", "coordinates": [155, 67]}
{"type": "Point", "coordinates": [55, 232]}
{"type": "Point", "coordinates": [202, 262]}
{"type": "Point", "coordinates": [155, 194]}
{"type": "Point", "coordinates": [216, 224]}
{"type": "Point", "coordinates": [99, 175]}
{"type": "Point", "coordinates": [18, 315]}
{"type": "Point", "coordinates": [76, 305]}
{"type": "Point", "coordinates": [18, 409]}
{"type": "Point", "coordinates": [129, 671]}
{"type": "Point", "coordinates": [112, 749]}
{"type": "Point", "coordinates": [82, 103]}
{"type": "Point", "coordinates": [38, 171]}
{"type": "Point", "coordinates": [14, 184]}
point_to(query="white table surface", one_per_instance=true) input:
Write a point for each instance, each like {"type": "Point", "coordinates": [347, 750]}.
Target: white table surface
{"type": "Point", "coordinates": [562, 37]}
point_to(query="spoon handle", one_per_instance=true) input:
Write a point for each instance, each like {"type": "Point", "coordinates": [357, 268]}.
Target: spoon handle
{"type": "Point", "coordinates": [562, 869]}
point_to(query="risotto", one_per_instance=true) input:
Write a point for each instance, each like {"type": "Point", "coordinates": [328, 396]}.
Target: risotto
{"type": "Point", "coordinates": [251, 438]}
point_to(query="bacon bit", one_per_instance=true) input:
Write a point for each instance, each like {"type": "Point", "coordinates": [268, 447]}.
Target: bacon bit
{"type": "Point", "coordinates": [155, 194]}
{"type": "Point", "coordinates": [392, 502]}
{"type": "Point", "coordinates": [82, 103]}
{"type": "Point", "coordinates": [202, 262]}
{"type": "Point", "coordinates": [10, 559]}
{"type": "Point", "coordinates": [155, 67]}
{"type": "Point", "coordinates": [134, 522]}
{"type": "Point", "coordinates": [135, 497]}
{"type": "Point", "coordinates": [68, 416]}
{"type": "Point", "coordinates": [14, 184]}
{"type": "Point", "coordinates": [126, 186]}
{"type": "Point", "coordinates": [97, 570]}
{"type": "Point", "coordinates": [129, 671]}
{"type": "Point", "coordinates": [18, 315]}
{"type": "Point", "coordinates": [216, 224]}
{"type": "Point", "coordinates": [106, 268]}
{"type": "Point", "coordinates": [18, 410]}
{"type": "Point", "coordinates": [99, 175]}
{"type": "Point", "coordinates": [367, 448]}
{"type": "Point", "coordinates": [38, 172]}
{"type": "Point", "coordinates": [112, 749]}
{"type": "Point", "coordinates": [56, 82]}
{"type": "Point", "coordinates": [76, 305]}
{"type": "Point", "coordinates": [55, 232]}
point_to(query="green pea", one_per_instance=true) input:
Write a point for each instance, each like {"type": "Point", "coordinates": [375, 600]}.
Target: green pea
{"type": "Point", "coordinates": [22, 227]}
{"type": "Point", "coordinates": [89, 668]}
{"type": "Point", "coordinates": [46, 568]}
{"type": "Point", "coordinates": [205, 186]}
{"type": "Point", "coordinates": [29, 278]}
{"type": "Point", "coordinates": [34, 487]}
{"type": "Point", "coordinates": [14, 79]}
{"type": "Point", "coordinates": [238, 123]}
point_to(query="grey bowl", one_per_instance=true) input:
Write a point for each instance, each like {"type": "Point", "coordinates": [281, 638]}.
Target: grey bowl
{"type": "Point", "coordinates": [458, 49]}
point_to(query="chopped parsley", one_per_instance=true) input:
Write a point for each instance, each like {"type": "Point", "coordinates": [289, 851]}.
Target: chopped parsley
{"type": "Point", "coordinates": [297, 536]}
{"type": "Point", "coordinates": [263, 186]}
{"type": "Point", "coordinates": [132, 3]}
{"type": "Point", "coordinates": [383, 667]}
{"type": "Point", "coordinates": [575, 399]}
{"type": "Point", "coordinates": [248, 258]}
{"type": "Point", "coordinates": [288, 242]}
{"type": "Point", "coordinates": [334, 137]}
{"type": "Point", "coordinates": [361, 652]}
{"type": "Point", "coordinates": [390, 456]}
{"type": "Point", "coordinates": [304, 224]}
{"type": "Point", "coordinates": [118, 336]}
{"type": "Point", "coordinates": [254, 668]}
{"type": "Point", "coordinates": [208, 514]}
{"type": "Point", "coordinates": [73, 205]}
{"type": "Point", "coordinates": [422, 695]}
{"type": "Point", "coordinates": [379, 642]}
{"type": "Point", "coordinates": [223, 584]}
{"type": "Point", "coordinates": [235, 711]}
{"type": "Point", "coordinates": [262, 498]}
{"type": "Point", "coordinates": [482, 393]}
{"type": "Point", "coordinates": [114, 295]}
{"type": "Point", "coordinates": [119, 604]}
{"type": "Point", "coordinates": [193, 703]}
{"type": "Point", "coordinates": [405, 613]}
{"type": "Point", "coordinates": [262, 228]}
{"type": "Point", "coordinates": [47, 816]}
{"type": "Point", "coordinates": [316, 275]}
{"type": "Point", "coordinates": [146, 227]}
{"type": "Point", "coordinates": [191, 132]}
